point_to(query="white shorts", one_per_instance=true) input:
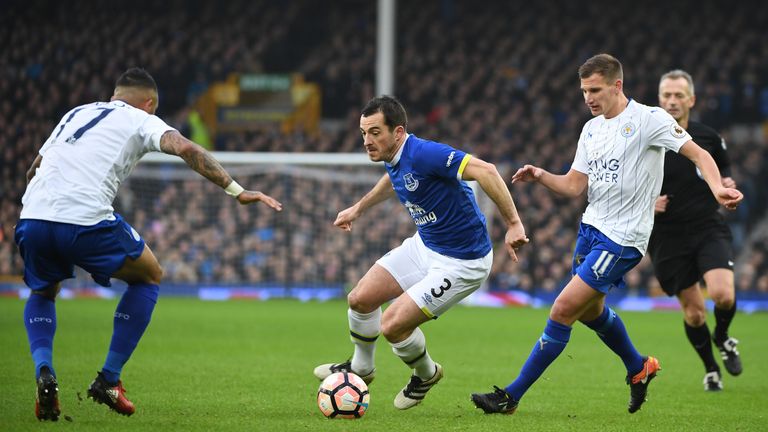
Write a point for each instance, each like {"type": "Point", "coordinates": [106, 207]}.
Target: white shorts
{"type": "Point", "coordinates": [435, 282]}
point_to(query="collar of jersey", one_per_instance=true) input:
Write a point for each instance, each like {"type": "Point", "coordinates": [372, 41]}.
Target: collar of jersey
{"type": "Point", "coordinates": [629, 101]}
{"type": "Point", "coordinates": [396, 159]}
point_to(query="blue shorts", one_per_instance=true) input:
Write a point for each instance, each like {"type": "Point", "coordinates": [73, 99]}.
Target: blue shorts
{"type": "Point", "coordinates": [51, 250]}
{"type": "Point", "coordinates": [601, 262]}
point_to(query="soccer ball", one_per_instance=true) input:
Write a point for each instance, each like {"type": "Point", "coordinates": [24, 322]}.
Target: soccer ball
{"type": "Point", "coordinates": [343, 395]}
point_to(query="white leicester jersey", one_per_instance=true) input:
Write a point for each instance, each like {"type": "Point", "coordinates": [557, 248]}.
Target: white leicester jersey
{"type": "Point", "coordinates": [89, 153]}
{"type": "Point", "coordinates": [624, 159]}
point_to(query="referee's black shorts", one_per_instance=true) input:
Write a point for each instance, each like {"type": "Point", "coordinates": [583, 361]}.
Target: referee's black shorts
{"type": "Point", "coordinates": [682, 253]}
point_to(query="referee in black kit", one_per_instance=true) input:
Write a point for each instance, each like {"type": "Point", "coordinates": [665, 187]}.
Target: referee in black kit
{"type": "Point", "coordinates": [690, 240]}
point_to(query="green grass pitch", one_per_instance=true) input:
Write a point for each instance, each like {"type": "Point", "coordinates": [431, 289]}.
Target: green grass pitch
{"type": "Point", "coordinates": [246, 365]}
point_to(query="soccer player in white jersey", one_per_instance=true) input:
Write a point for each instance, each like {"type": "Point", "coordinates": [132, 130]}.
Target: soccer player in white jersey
{"type": "Point", "coordinates": [620, 161]}
{"type": "Point", "coordinates": [67, 219]}
{"type": "Point", "coordinates": [447, 259]}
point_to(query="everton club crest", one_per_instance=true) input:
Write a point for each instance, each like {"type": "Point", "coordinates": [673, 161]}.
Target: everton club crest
{"type": "Point", "coordinates": [410, 183]}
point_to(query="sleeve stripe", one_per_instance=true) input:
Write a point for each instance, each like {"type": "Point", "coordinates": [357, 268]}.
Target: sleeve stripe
{"type": "Point", "coordinates": [463, 165]}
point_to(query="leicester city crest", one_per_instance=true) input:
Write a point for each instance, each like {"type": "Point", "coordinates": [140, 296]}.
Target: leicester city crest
{"type": "Point", "coordinates": [410, 183]}
{"type": "Point", "coordinates": [628, 130]}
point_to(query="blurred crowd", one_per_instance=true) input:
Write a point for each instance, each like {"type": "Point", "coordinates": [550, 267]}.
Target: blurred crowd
{"type": "Point", "coordinates": [495, 78]}
{"type": "Point", "coordinates": [204, 236]}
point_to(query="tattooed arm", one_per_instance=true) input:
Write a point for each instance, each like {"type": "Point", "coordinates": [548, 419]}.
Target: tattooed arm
{"type": "Point", "coordinates": [199, 159]}
{"type": "Point", "coordinates": [202, 161]}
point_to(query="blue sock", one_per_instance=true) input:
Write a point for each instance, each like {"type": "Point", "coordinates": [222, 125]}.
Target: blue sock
{"type": "Point", "coordinates": [610, 329]}
{"type": "Point", "coordinates": [131, 319]}
{"type": "Point", "coordinates": [551, 343]}
{"type": "Point", "coordinates": [40, 321]}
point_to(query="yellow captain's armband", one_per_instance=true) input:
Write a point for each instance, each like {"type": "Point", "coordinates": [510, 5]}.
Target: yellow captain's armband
{"type": "Point", "coordinates": [463, 165]}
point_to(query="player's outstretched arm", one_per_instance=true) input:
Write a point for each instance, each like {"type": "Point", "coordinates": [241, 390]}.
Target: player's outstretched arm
{"type": "Point", "coordinates": [380, 192]}
{"type": "Point", "coordinates": [489, 179]}
{"type": "Point", "coordinates": [571, 184]}
{"type": "Point", "coordinates": [202, 161]}
{"type": "Point", "coordinates": [727, 197]}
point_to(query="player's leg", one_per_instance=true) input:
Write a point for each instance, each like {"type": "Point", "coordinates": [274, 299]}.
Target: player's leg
{"type": "Point", "coordinates": [383, 282]}
{"type": "Point", "coordinates": [569, 305]}
{"type": "Point", "coordinates": [674, 258]}
{"type": "Point", "coordinates": [715, 259]}
{"type": "Point", "coordinates": [134, 311]}
{"type": "Point", "coordinates": [132, 316]}
{"type": "Point", "coordinates": [577, 298]}
{"type": "Point", "coordinates": [43, 271]}
{"type": "Point", "coordinates": [720, 287]}
{"type": "Point", "coordinates": [604, 267]}
{"type": "Point", "coordinates": [696, 329]}
{"type": "Point", "coordinates": [446, 283]}
{"type": "Point", "coordinates": [572, 302]}
{"type": "Point", "coordinates": [640, 370]}
{"type": "Point", "coordinates": [377, 287]}
{"type": "Point", "coordinates": [113, 249]}
{"type": "Point", "coordinates": [40, 323]}
{"type": "Point", "coordinates": [611, 330]}
{"type": "Point", "coordinates": [400, 325]}
{"type": "Point", "coordinates": [364, 316]}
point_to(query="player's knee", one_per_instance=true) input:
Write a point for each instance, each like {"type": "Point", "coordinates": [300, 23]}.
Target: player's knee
{"type": "Point", "coordinates": [695, 317]}
{"type": "Point", "coordinates": [50, 292]}
{"type": "Point", "coordinates": [155, 274]}
{"type": "Point", "coordinates": [358, 302]}
{"type": "Point", "coordinates": [723, 298]}
{"type": "Point", "coordinates": [562, 313]}
{"type": "Point", "coordinates": [392, 330]}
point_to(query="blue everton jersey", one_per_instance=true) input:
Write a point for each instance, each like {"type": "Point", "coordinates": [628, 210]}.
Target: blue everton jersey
{"type": "Point", "coordinates": [426, 176]}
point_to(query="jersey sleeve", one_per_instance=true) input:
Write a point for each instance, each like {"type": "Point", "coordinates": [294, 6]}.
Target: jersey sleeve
{"type": "Point", "coordinates": [47, 143]}
{"type": "Point", "coordinates": [56, 131]}
{"type": "Point", "coordinates": [580, 161]}
{"type": "Point", "coordinates": [152, 129]}
{"type": "Point", "coordinates": [442, 160]}
{"type": "Point", "coordinates": [663, 131]}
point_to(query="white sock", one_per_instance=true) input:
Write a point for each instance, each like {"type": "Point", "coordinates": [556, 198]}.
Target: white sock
{"type": "Point", "coordinates": [364, 329]}
{"type": "Point", "coordinates": [413, 351]}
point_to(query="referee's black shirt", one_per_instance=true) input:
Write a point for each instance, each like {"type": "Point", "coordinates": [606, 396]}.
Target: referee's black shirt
{"type": "Point", "coordinates": [690, 199]}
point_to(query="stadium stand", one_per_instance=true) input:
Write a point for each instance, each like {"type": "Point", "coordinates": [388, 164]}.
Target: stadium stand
{"type": "Point", "coordinates": [497, 79]}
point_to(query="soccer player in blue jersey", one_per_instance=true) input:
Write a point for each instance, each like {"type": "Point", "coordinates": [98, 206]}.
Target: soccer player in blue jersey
{"type": "Point", "coordinates": [447, 259]}
{"type": "Point", "coordinates": [620, 162]}
{"type": "Point", "coordinates": [67, 219]}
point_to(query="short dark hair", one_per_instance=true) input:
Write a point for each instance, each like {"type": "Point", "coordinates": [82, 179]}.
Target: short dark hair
{"type": "Point", "coordinates": [394, 113]}
{"type": "Point", "coordinates": [604, 64]}
{"type": "Point", "coordinates": [136, 77]}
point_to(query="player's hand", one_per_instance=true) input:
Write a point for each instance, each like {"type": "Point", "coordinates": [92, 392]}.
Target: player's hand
{"type": "Point", "coordinates": [345, 217]}
{"type": "Point", "coordinates": [728, 182]}
{"type": "Point", "coordinates": [514, 239]}
{"type": "Point", "coordinates": [249, 197]}
{"type": "Point", "coordinates": [528, 173]}
{"type": "Point", "coordinates": [661, 204]}
{"type": "Point", "coordinates": [729, 198]}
